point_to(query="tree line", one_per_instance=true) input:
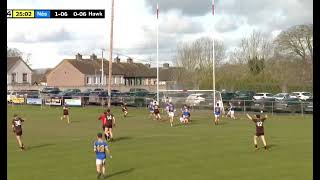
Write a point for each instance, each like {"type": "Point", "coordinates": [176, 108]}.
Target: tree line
{"type": "Point", "coordinates": [259, 63]}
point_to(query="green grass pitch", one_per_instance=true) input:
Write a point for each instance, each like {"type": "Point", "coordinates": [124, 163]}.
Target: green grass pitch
{"type": "Point", "coordinates": [145, 149]}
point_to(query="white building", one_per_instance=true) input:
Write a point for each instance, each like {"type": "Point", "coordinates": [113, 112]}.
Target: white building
{"type": "Point", "coordinates": [18, 72]}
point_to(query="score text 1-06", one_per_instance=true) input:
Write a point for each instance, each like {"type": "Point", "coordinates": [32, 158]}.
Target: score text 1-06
{"type": "Point", "coordinates": [55, 13]}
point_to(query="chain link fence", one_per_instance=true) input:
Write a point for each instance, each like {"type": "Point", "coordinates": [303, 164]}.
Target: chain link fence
{"type": "Point", "coordinates": [196, 101]}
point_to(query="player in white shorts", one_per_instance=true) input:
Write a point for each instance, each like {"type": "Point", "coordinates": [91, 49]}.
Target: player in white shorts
{"type": "Point", "coordinates": [171, 111]}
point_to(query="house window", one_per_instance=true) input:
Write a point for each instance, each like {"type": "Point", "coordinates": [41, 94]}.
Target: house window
{"type": "Point", "coordinates": [88, 80]}
{"type": "Point", "coordinates": [13, 77]}
{"type": "Point", "coordinates": [100, 80]}
{"type": "Point", "coordinates": [24, 77]}
{"type": "Point", "coordinates": [96, 80]}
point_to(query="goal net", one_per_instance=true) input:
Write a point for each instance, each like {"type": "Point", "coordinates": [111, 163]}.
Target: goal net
{"type": "Point", "coordinates": [196, 99]}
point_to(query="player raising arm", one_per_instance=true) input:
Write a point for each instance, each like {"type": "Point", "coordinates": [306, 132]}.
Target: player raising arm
{"type": "Point", "coordinates": [17, 129]}
{"type": "Point", "coordinates": [100, 148]}
{"type": "Point", "coordinates": [258, 120]}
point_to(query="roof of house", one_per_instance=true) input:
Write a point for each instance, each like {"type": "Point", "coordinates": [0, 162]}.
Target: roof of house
{"type": "Point", "coordinates": [92, 67]}
{"type": "Point", "coordinates": [11, 61]}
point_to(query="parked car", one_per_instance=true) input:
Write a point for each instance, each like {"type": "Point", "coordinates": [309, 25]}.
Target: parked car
{"type": "Point", "coordinates": [242, 99]}
{"type": "Point", "coordinates": [68, 93]}
{"type": "Point", "coordinates": [227, 96]}
{"type": "Point", "coordinates": [11, 95]}
{"type": "Point", "coordinates": [308, 106]}
{"type": "Point", "coordinates": [99, 89]}
{"type": "Point", "coordinates": [301, 95]}
{"type": "Point", "coordinates": [288, 105]}
{"type": "Point", "coordinates": [84, 96]}
{"type": "Point", "coordinates": [195, 99]}
{"type": "Point", "coordinates": [138, 99]}
{"type": "Point", "coordinates": [116, 98]}
{"type": "Point", "coordinates": [262, 96]}
{"type": "Point", "coordinates": [98, 97]}
{"type": "Point", "coordinates": [263, 104]}
{"type": "Point", "coordinates": [178, 99]}
{"type": "Point", "coordinates": [50, 90]}
{"type": "Point", "coordinates": [281, 96]}
{"type": "Point", "coordinates": [138, 90]}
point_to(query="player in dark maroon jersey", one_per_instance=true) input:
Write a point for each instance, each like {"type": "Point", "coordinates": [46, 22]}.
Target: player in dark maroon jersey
{"type": "Point", "coordinates": [258, 120]}
{"type": "Point", "coordinates": [66, 113]}
{"type": "Point", "coordinates": [17, 129]}
{"type": "Point", "coordinates": [124, 109]}
{"type": "Point", "coordinates": [103, 118]}
{"type": "Point", "coordinates": [111, 122]}
{"type": "Point", "coordinates": [156, 111]}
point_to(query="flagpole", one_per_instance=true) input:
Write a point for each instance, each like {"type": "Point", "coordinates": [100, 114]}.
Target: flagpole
{"type": "Point", "coordinates": [157, 53]}
{"type": "Point", "coordinates": [213, 62]}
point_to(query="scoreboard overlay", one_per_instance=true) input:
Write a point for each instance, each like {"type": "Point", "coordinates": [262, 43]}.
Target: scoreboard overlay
{"type": "Point", "coordinates": [55, 13]}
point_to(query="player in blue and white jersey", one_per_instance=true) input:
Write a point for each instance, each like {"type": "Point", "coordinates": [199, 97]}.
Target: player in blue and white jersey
{"type": "Point", "coordinates": [171, 110]}
{"type": "Point", "coordinates": [217, 114]}
{"type": "Point", "coordinates": [100, 148]}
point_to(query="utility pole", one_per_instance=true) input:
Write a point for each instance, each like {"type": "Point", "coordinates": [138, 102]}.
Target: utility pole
{"type": "Point", "coordinates": [110, 56]}
{"type": "Point", "coordinates": [102, 68]}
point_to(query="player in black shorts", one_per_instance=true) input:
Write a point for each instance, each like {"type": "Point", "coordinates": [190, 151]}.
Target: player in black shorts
{"type": "Point", "coordinates": [156, 111]}
{"type": "Point", "coordinates": [65, 113]}
{"type": "Point", "coordinates": [124, 109]}
{"type": "Point", "coordinates": [258, 120]}
{"type": "Point", "coordinates": [111, 121]}
{"type": "Point", "coordinates": [17, 129]}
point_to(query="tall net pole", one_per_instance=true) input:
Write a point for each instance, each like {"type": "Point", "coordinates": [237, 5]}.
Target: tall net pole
{"type": "Point", "coordinates": [110, 56]}
{"type": "Point", "coordinates": [157, 53]}
{"type": "Point", "coordinates": [213, 65]}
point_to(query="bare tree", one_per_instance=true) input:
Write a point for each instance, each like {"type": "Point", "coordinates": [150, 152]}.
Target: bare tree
{"type": "Point", "coordinates": [254, 51]}
{"type": "Point", "coordinates": [196, 58]}
{"type": "Point", "coordinates": [297, 40]}
{"type": "Point", "coordinates": [14, 52]}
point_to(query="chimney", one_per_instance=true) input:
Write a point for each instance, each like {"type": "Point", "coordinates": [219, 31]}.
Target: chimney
{"type": "Point", "coordinates": [79, 57]}
{"type": "Point", "coordinates": [166, 65]}
{"type": "Point", "coordinates": [93, 57]}
{"type": "Point", "coordinates": [148, 65]}
{"type": "Point", "coordinates": [129, 60]}
{"type": "Point", "coordinates": [117, 59]}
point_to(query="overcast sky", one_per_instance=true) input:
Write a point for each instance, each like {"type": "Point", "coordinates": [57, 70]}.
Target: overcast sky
{"type": "Point", "coordinates": [51, 40]}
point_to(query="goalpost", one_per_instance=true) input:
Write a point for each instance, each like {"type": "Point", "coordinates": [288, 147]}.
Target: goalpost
{"type": "Point", "coordinates": [216, 94]}
{"type": "Point", "coordinates": [200, 99]}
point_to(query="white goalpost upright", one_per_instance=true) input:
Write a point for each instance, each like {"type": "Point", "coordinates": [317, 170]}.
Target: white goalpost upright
{"type": "Point", "coordinates": [157, 53]}
{"type": "Point", "coordinates": [213, 68]}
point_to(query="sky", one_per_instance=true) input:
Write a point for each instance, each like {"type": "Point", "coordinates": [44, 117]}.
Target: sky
{"type": "Point", "coordinates": [49, 41]}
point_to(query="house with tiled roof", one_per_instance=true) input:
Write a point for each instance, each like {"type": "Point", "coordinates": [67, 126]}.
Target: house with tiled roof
{"type": "Point", "coordinates": [80, 72]}
{"type": "Point", "coordinates": [18, 72]}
